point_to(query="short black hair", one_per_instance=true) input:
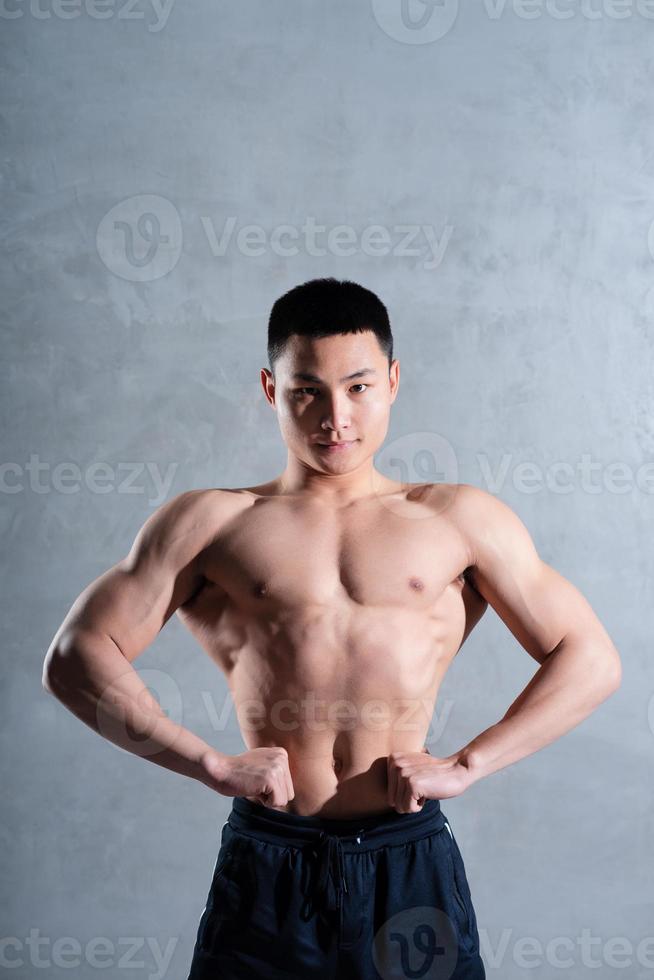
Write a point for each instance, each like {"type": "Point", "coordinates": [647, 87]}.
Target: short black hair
{"type": "Point", "coordinates": [324, 307]}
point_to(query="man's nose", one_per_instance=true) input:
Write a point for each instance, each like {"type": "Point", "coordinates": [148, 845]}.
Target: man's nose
{"type": "Point", "coordinates": [335, 416]}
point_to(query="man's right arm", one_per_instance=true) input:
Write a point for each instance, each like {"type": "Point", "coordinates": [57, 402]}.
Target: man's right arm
{"type": "Point", "coordinates": [88, 664]}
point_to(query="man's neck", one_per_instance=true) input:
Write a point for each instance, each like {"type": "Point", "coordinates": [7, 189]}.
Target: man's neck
{"type": "Point", "coordinates": [338, 488]}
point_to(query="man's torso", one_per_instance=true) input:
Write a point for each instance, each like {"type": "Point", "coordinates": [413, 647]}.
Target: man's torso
{"type": "Point", "coordinates": [334, 626]}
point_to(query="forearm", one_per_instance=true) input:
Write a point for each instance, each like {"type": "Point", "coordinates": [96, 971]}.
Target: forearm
{"type": "Point", "coordinates": [568, 686]}
{"type": "Point", "coordinates": [90, 676]}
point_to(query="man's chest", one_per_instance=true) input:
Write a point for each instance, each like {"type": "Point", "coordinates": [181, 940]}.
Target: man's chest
{"type": "Point", "coordinates": [283, 556]}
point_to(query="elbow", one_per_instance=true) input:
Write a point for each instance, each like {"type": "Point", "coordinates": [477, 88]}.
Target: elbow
{"type": "Point", "coordinates": [615, 672]}
{"type": "Point", "coordinates": [602, 669]}
{"type": "Point", "coordinates": [46, 671]}
{"type": "Point", "coordinates": [57, 666]}
{"type": "Point", "coordinates": [611, 673]}
{"type": "Point", "coordinates": [603, 664]}
{"type": "Point", "coordinates": [49, 674]}
{"type": "Point", "coordinates": [46, 683]}
{"type": "Point", "coordinates": [51, 681]}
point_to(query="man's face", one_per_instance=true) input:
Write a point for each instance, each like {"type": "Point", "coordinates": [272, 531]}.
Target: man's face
{"type": "Point", "coordinates": [318, 400]}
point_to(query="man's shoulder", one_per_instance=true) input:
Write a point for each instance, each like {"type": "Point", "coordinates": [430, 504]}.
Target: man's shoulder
{"type": "Point", "coordinates": [194, 515]}
{"type": "Point", "coordinates": [206, 498]}
{"type": "Point", "coordinates": [452, 496]}
{"type": "Point", "coordinates": [473, 510]}
{"type": "Point", "coordinates": [485, 522]}
{"type": "Point", "coordinates": [463, 496]}
{"type": "Point", "coordinates": [191, 502]}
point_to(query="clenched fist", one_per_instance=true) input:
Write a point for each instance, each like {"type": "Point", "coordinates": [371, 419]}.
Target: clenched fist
{"type": "Point", "coordinates": [261, 775]}
{"type": "Point", "coordinates": [414, 777]}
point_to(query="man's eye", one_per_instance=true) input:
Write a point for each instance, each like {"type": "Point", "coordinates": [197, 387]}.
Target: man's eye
{"type": "Point", "coordinates": [299, 392]}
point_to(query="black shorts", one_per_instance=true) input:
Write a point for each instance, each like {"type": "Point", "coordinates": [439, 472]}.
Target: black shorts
{"type": "Point", "coordinates": [382, 897]}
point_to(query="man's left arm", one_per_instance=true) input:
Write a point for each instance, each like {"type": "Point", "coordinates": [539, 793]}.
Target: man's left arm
{"type": "Point", "coordinates": [579, 665]}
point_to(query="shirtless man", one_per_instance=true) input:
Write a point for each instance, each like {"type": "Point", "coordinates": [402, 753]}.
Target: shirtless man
{"type": "Point", "coordinates": [333, 599]}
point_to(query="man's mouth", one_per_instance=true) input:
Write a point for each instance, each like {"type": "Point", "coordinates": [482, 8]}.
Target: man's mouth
{"type": "Point", "coordinates": [335, 447]}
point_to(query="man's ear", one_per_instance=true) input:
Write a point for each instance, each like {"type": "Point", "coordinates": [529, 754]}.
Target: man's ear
{"type": "Point", "coordinates": [268, 384]}
{"type": "Point", "coordinates": [394, 378]}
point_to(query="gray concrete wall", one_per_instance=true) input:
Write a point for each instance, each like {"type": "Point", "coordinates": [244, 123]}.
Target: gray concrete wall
{"type": "Point", "coordinates": [493, 168]}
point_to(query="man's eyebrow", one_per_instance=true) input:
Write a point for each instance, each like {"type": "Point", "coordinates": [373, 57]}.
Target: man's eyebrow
{"type": "Point", "coordinates": [303, 376]}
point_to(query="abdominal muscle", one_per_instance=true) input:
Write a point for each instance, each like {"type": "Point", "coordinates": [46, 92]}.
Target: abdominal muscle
{"type": "Point", "coordinates": [339, 701]}
{"type": "Point", "coordinates": [338, 738]}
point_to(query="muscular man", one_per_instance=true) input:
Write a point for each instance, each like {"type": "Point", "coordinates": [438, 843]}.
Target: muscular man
{"type": "Point", "coordinates": [333, 599]}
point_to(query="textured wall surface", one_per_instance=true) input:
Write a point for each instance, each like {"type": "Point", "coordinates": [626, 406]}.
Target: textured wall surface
{"type": "Point", "coordinates": [168, 171]}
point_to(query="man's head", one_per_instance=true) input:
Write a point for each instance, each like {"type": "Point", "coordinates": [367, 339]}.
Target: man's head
{"type": "Point", "coordinates": [324, 307]}
{"type": "Point", "coordinates": [333, 377]}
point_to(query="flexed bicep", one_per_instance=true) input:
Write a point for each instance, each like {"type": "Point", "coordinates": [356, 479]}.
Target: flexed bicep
{"type": "Point", "coordinates": [538, 605]}
{"type": "Point", "coordinates": [133, 600]}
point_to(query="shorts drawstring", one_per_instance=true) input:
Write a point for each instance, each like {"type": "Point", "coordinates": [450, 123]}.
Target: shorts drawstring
{"type": "Point", "coordinates": [332, 882]}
